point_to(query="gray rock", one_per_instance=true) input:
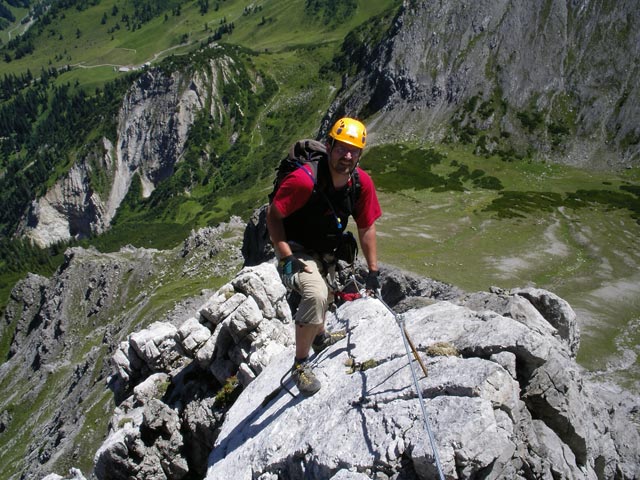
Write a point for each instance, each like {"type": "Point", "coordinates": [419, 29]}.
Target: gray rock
{"type": "Point", "coordinates": [480, 415]}
{"type": "Point", "coordinates": [153, 449]}
{"type": "Point", "coordinates": [556, 311]}
{"type": "Point", "coordinates": [192, 336]}
{"type": "Point", "coordinates": [441, 63]}
{"type": "Point", "coordinates": [153, 387]}
{"type": "Point", "coordinates": [74, 474]}
{"type": "Point", "coordinates": [157, 346]}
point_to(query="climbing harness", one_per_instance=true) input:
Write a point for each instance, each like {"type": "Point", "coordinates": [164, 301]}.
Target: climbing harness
{"type": "Point", "coordinates": [410, 347]}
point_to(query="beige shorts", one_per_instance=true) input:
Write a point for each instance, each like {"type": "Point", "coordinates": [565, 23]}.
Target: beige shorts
{"type": "Point", "coordinates": [316, 296]}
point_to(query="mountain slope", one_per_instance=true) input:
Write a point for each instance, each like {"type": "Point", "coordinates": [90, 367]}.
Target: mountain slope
{"type": "Point", "coordinates": [63, 331]}
{"type": "Point", "coordinates": [553, 79]}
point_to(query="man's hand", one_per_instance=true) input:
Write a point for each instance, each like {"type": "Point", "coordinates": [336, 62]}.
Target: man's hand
{"type": "Point", "coordinates": [371, 282]}
{"type": "Point", "coordinates": [289, 267]}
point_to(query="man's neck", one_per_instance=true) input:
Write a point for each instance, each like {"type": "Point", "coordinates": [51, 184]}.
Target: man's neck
{"type": "Point", "coordinates": [340, 179]}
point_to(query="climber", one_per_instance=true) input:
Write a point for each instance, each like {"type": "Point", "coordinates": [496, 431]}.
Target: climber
{"type": "Point", "coordinates": [306, 221]}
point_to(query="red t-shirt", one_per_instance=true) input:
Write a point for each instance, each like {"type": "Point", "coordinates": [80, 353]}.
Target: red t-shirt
{"type": "Point", "coordinates": [295, 190]}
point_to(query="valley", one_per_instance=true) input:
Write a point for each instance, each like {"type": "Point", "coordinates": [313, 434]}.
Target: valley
{"type": "Point", "coordinates": [588, 254]}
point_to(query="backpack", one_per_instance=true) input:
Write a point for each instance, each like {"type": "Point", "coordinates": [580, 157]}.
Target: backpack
{"type": "Point", "coordinates": [307, 151]}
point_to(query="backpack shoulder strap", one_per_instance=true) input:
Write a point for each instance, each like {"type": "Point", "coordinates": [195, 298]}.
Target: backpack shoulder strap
{"type": "Point", "coordinates": [310, 152]}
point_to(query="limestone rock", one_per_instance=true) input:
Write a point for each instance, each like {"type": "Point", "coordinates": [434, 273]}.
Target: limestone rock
{"type": "Point", "coordinates": [480, 412]}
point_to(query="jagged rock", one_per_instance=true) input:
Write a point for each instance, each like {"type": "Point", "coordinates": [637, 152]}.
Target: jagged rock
{"type": "Point", "coordinates": [154, 386]}
{"type": "Point", "coordinates": [556, 311]}
{"type": "Point", "coordinates": [341, 475]}
{"type": "Point", "coordinates": [192, 335]}
{"type": "Point", "coordinates": [539, 309]}
{"type": "Point", "coordinates": [507, 402]}
{"type": "Point", "coordinates": [149, 446]}
{"type": "Point", "coordinates": [157, 346]}
{"type": "Point", "coordinates": [245, 338]}
{"type": "Point", "coordinates": [370, 421]}
{"type": "Point", "coordinates": [266, 289]}
{"type": "Point", "coordinates": [403, 290]}
{"type": "Point", "coordinates": [201, 422]}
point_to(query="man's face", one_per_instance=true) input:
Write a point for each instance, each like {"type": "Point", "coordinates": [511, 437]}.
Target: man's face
{"type": "Point", "coordinates": [344, 157]}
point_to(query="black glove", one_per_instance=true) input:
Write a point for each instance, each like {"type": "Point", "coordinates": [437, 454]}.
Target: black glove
{"type": "Point", "coordinates": [289, 267]}
{"type": "Point", "coordinates": [372, 282]}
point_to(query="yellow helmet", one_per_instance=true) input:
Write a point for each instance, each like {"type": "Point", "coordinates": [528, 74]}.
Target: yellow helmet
{"type": "Point", "coordinates": [349, 130]}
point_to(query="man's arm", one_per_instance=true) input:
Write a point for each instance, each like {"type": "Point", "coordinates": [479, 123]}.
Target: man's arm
{"type": "Point", "coordinates": [368, 243]}
{"type": "Point", "coordinates": [275, 225]}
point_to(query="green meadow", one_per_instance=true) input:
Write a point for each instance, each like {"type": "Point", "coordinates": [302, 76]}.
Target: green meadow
{"type": "Point", "coordinates": [477, 222]}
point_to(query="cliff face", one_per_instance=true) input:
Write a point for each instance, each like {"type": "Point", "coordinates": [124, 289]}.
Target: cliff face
{"type": "Point", "coordinates": [557, 76]}
{"type": "Point", "coordinates": [153, 125]}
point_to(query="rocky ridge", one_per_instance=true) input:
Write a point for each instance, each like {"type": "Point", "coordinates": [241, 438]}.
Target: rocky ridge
{"type": "Point", "coordinates": [505, 397]}
{"type": "Point", "coordinates": [61, 332]}
{"type": "Point", "coordinates": [197, 386]}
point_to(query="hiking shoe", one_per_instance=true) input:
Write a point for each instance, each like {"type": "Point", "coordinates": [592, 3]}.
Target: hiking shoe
{"type": "Point", "coordinates": [328, 339]}
{"type": "Point", "coordinates": [305, 380]}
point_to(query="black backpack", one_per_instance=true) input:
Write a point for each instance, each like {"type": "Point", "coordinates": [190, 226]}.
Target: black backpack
{"type": "Point", "coordinates": [307, 151]}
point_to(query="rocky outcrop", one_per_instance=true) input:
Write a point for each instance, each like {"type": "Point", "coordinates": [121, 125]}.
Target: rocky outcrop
{"type": "Point", "coordinates": [154, 121]}
{"type": "Point", "coordinates": [153, 126]}
{"type": "Point", "coordinates": [497, 409]}
{"type": "Point", "coordinates": [175, 381]}
{"type": "Point", "coordinates": [503, 394]}
{"type": "Point", "coordinates": [72, 208]}
{"type": "Point", "coordinates": [554, 76]}
{"type": "Point", "coordinates": [59, 333]}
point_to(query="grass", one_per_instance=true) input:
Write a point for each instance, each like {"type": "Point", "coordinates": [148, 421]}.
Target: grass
{"type": "Point", "coordinates": [573, 232]}
{"type": "Point", "coordinates": [81, 40]}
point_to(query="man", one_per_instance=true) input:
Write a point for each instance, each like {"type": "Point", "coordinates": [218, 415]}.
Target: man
{"type": "Point", "coordinates": [306, 220]}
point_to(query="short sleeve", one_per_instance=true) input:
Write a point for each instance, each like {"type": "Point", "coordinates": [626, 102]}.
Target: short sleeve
{"type": "Point", "coordinates": [367, 209]}
{"type": "Point", "coordinates": [294, 191]}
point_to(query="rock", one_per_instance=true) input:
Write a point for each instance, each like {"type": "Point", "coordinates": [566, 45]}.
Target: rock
{"type": "Point", "coordinates": [151, 449]}
{"type": "Point", "coordinates": [481, 413]}
{"type": "Point", "coordinates": [192, 335]}
{"type": "Point", "coordinates": [556, 311]}
{"type": "Point", "coordinates": [503, 394]}
{"type": "Point", "coordinates": [541, 310]}
{"type": "Point", "coordinates": [263, 284]}
{"type": "Point", "coordinates": [157, 346]}
{"type": "Point", "coordinates": [243, 342]}
{"type": "Point", "coordinates": [74, 474]}
{"type": "Point", "coordinates": [221, 305]}
{"type": "Point", "coordinates": [153, 387]}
